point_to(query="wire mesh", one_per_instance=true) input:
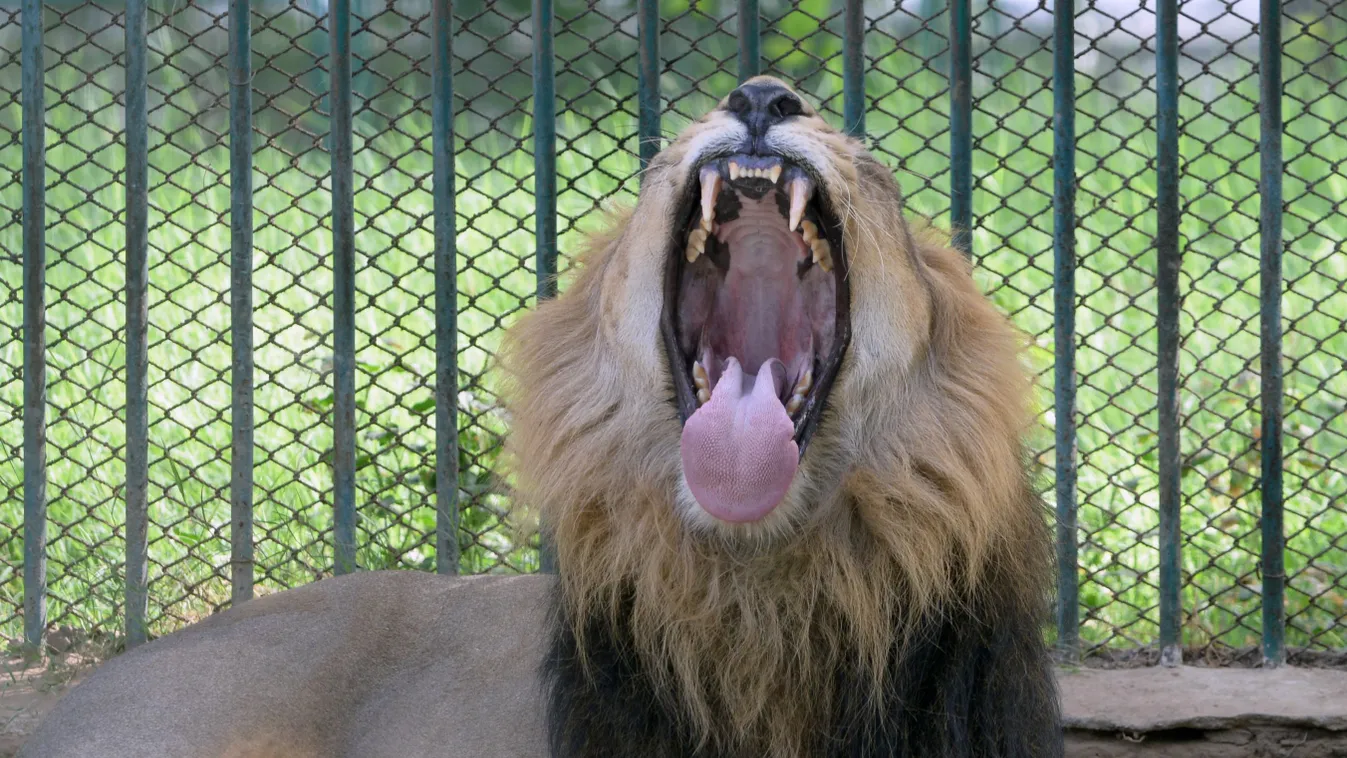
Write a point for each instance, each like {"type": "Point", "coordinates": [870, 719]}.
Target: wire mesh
{"type": "Point", "coordinates": [906, 58]}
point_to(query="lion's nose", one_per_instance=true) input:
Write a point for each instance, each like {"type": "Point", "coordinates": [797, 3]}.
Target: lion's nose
{"type": "Point", "coordinates": [762, 105]}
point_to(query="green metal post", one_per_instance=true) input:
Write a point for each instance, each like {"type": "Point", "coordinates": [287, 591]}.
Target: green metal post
{"type": "Point", "coordinates": [137, 325]}
{"type": "Point", "coordinates": [1170, 261]}
{"type": "Point", "coordinates": [446, 290]}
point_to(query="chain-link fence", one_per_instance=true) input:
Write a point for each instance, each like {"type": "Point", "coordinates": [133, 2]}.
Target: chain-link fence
{"type": "Point", "coordinates": [907, 87]}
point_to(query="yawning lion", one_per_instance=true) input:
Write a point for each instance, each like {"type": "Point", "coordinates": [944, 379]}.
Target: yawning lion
{"type": "Point", "coordinates": [774, 432]}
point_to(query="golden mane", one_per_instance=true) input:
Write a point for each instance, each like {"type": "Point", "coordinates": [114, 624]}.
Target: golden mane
{"type": "Point", "coordinates": [915, 502]}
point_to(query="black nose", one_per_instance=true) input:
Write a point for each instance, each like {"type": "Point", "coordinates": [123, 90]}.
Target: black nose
{"type": "Point", "coordinates": [762, 105]}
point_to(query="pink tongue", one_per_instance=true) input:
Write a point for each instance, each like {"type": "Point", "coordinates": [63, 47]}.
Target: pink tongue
{"type": "Point", "coordinates": [739, 452]}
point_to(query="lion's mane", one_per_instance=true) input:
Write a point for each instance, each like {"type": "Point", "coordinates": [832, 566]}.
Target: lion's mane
{"type": "Point", "coordinates": [927, 545]}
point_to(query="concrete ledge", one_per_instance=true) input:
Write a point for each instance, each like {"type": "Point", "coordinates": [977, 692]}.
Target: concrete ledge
{"type": "Point", "coordinates": [1158, 699]}
{"type": "Point", "coordinates": [1148, 712]}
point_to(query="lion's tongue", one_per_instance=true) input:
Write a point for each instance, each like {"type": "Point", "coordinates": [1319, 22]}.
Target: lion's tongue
{"type": "Point", "coordinates": [739, 451]}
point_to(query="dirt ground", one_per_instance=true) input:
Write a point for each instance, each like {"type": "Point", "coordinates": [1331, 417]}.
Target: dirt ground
{"type": "Point", "coordinates": [1187, 712]}
{"type": "Point", "coordinates": [28, 691]}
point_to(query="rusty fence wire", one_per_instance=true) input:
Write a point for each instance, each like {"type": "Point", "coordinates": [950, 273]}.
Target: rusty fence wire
{"type": "Point", "coordinates": [907, 63]}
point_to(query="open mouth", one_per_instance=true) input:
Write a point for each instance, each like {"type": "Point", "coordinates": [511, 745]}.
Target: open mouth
{"type": "Point", "coordinates": [756, 319]}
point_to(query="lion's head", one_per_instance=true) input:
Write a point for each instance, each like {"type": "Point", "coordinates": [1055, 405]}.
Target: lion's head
{"type": "Point", "coordinates": [773, 417]}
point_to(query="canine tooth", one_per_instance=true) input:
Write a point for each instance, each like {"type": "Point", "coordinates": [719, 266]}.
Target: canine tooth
{"type": "Point", "coordinates": [823, 254]}
{"type": "Point", "coordinates": [808, 232]}
{"type": "Point", "coordinates": [696, 244]}
{"type": "Point", "coordinates": [734, 170]}
{"type": "Point", "coordinates": [800, 191]}
{"type": "Point", "coordinates": [703, 397]}
{"type": "Point", "coordinates": [794, 405]}
{"type": "Point", "coordinates": [710, 192]}
{"type": "Point", "coordinates": [805, 382]}
{"type": "Point", "coordinates": [699, 376]}
{"type": "Point", "coordinates": [774, 174]}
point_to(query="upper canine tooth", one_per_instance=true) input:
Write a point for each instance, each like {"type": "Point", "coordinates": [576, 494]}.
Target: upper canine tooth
{"type": "Point", "coordinates": [823, 254]}
{"type": "Point", "coordinates": [801, 189]}
{"type": "Point", "coordinates": [794, 405]}
{"type": "Point", "coordinates": [703, 397]}
{"type": "Point", "coordinates": [734, 170]}
{"type": "Point", "coordinates": [774, 173]}
{"type": "Point", "coordinates": [710, 191]}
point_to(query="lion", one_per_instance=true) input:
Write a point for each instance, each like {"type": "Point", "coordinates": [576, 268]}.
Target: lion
{"type": "Point", "coordinates": [773, 430]}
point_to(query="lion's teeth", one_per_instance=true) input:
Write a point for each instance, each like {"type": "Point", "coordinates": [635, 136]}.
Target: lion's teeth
{"type": "Point", "coordinates": [801, 189]}
{"type": "Point", "coordinates": [734, 170]}
{"type": "Point", "coordinates": [808, 232]}
{"type": "Point", "coordinates": [805, 383]}
{"type": "Point", "coordinates": [699, 376]}
{"type": "Point", "coordinates": [697, 244]}
{"type": "Point", "coordinates": [823, 254]}
{"type": "Point", "coordinates": [710, 192]}
{"type": "Point", "coordinates": [774, 174]}
{"type": "Point", "coordinates": [703, 397]}
{"type": "Point", "coordinates": [794, 405]}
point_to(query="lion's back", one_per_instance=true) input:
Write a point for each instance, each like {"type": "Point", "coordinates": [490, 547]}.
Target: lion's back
{"type": "Point", "coordinates": [345, 666]}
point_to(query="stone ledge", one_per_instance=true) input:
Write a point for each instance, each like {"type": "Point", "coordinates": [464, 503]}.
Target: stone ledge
{"type": "Point", "coordinates": [1158, 699]}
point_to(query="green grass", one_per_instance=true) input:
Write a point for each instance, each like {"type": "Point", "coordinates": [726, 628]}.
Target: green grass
{"type": "Point", "coordinates": [190, 315]}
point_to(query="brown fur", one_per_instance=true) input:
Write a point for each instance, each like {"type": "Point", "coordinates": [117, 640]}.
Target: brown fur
{"type": "Point", "coordinates": [912, 497]}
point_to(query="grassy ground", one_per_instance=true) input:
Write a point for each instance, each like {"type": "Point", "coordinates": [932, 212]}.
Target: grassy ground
{"type": "Point", "coordinates": [190, 319]}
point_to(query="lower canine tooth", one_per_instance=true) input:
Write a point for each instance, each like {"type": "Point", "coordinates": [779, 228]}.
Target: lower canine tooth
{"type": "Point", "coordinates": [806, 381]}
{"type": "Point", "coordinates": [794, 405]}
{"type": "Point", "coordinates": [699, 376]}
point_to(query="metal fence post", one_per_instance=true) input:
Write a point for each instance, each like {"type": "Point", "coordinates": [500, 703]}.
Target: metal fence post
{"type": "Point", "coordinates": [34, 332]}
{"type": "Point", "coordinates": [750, 40]}
{"type": "Point", "coordinates": [961, 125]}
{"type": "Point", "coordinates": [647, 86]}
{"type": "Point", "coordinates": [545, 182]}
{"type": "Point", "coordinates": [137, 325]}
{"type": "Point", "coordinates": [446, 290]}
{"type": "Point", "coordinates": [241, 301]}
{"type": "Point", "coordinates": [1270, 293]}
{"type": "Point", "coordinates": [853, 69]}
{"type": "Point", "coordinates": [1169, 261]}
{"type": "Point", "coordinates": [343, 286]}
{"type": "Point", "coordinates": [1064, 318]}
